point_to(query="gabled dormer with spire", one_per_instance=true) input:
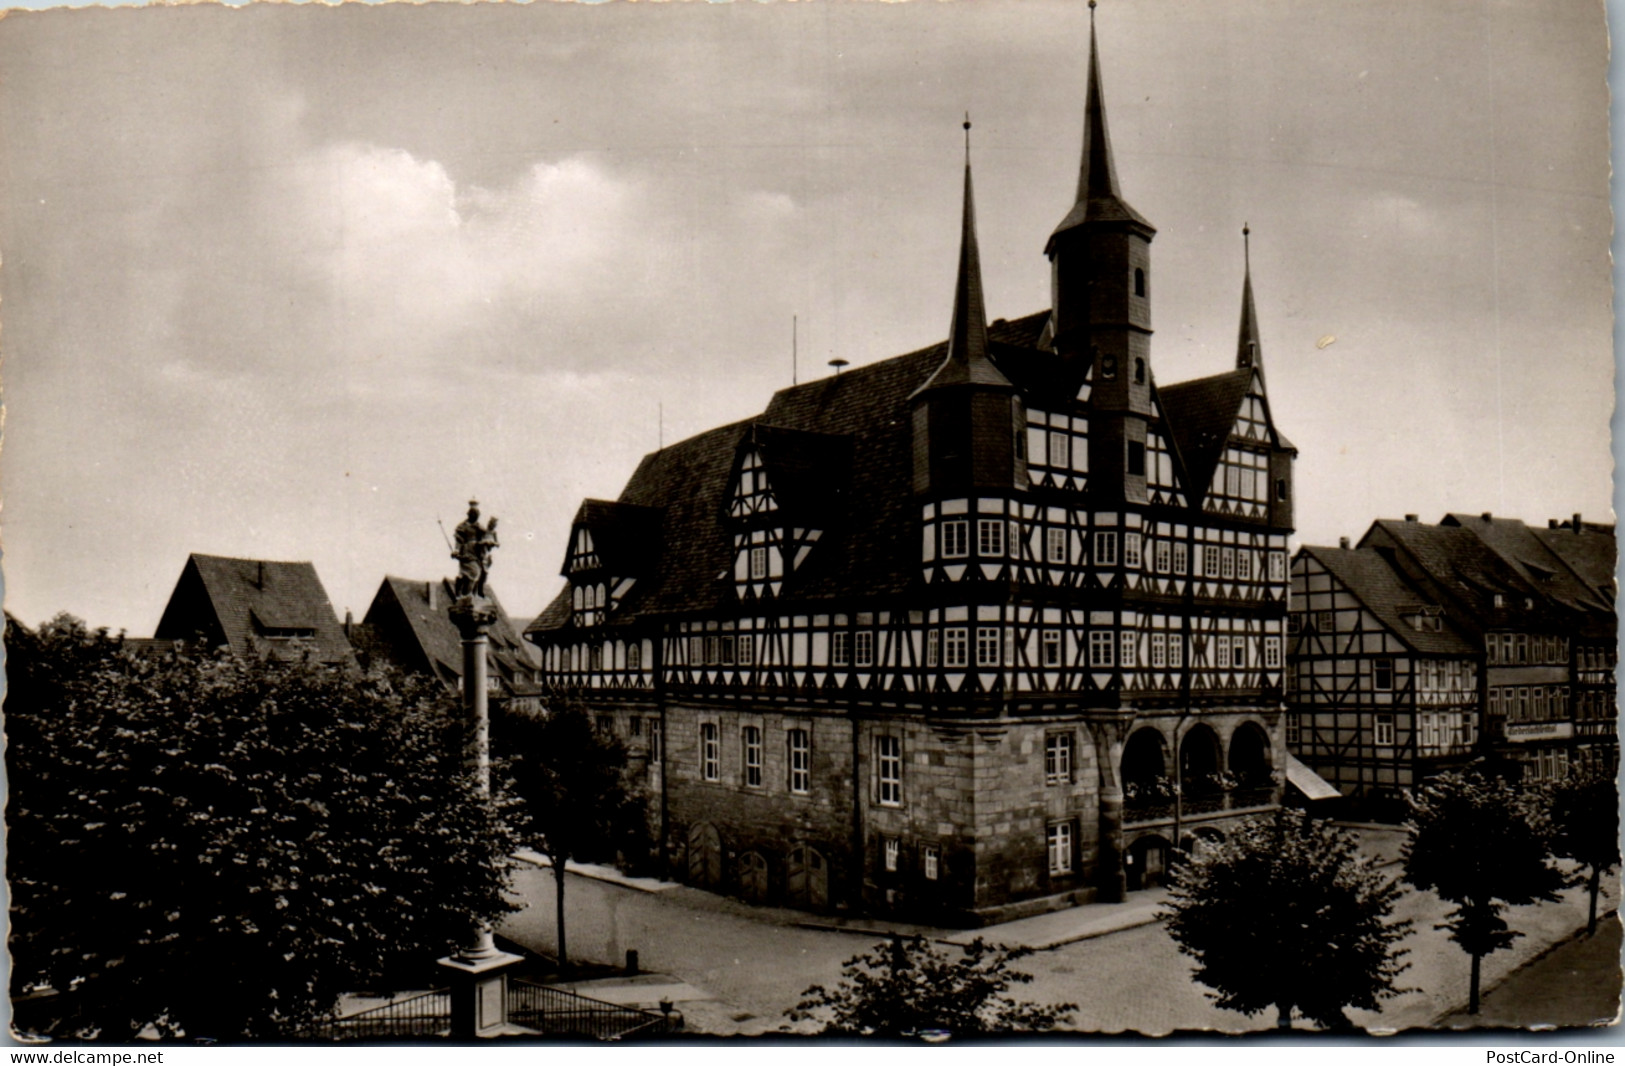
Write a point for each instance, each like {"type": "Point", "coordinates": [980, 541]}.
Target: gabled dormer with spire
{"type": "Point", "coordinates": [968, 421]}
{"type": "Point", "coordinates": [1239, 461]}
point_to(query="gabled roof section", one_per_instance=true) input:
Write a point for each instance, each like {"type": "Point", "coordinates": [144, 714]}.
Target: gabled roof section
{"type": "Point", "coordinates": [1199, 416]}
{"type": "Point", "coordinates": [1098, 198]}
{"type": "Point", "coordinates": [625, 536]}
{"type": "Point", "coordinates": [1386, 593]}
{"type": "Point", "coordinates": [257, 607]}
{"type": "Point", "coordinates": [808, 472]}
{"type": "Point", "coordinates": [1590, 551]}
{"type": "Point", "coordinates": [410, 624]}
{"type": "Point", "coordinates": [1535, 561]}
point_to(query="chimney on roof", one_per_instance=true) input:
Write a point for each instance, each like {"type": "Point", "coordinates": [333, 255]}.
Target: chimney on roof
{"type": "Point", "coordinates": [349, 622]}
{"type": "Point", "coordinates": [1577, 521]}
{"type": "Point", "coordinates": [259, 574]}
{"type": "Point", "coordinates": [1485, 516]}
{"type": "Point", "coordinates": [1552, 523]}
{"type": "Point", "coordinates": [428, 592]}
{"type": "Point", "coordinates": [1343, 542]}
{"type": "Point", "coordinates": [1410, 518]}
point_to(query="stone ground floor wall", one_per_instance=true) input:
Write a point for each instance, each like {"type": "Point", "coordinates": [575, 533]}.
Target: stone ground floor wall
{"type": "Point", "coordinates": [947, 821]}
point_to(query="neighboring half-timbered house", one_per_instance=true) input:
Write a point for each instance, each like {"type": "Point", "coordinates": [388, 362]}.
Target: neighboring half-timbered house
{"type": "Point", "coordinates": [1385, 678]}
{"type": "Point", "coordinates": [988, 627]}
{"type": "Point", "coordinates": [1427, 646]}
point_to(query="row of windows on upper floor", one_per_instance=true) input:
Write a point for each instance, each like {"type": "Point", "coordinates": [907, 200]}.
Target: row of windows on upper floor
{"type": "Point", "coordinates": [1526, 649]}
{"type": "Point", "coordinates": [1060, 444]}
{"type": "Point", "coordinates": [1529, 703]}
{"type": "Point", "coordinates": [965, 646]}
{"type": "Point", "coordinates": [998, 538]}
{"type": "Point", "coordinates": [1385, 673]}
{"type": "Point", "coordinates": [1435, 731]}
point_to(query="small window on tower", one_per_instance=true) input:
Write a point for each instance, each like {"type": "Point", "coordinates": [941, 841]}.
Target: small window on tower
{"type": "Point", "coordinates": [1139, 282]}
{"type": "Point", "coordinates": [1108, 367]}
{"type": "Point", "coordinates": [1139, 371]}
{"type": "Point", "coordinates": [1136, 458]}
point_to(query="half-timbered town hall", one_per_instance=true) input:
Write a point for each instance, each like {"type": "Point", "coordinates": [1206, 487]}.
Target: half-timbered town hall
{"type": "Point", "coordinates": [985, 628]}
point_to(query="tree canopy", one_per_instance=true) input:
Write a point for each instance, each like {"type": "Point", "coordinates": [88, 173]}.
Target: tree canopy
{"type": "Point", "coordinates": [1286, 914]}
{"type": "Point", "coordinates": [217, 848]}
{"type": "Point", "coordinates": [1583, 825]}
{"type": "Point", "coordinates": [579, 800]}
{"type": "Point", "coordinates": [1477, 842]}
{"type": "Point", "coordinates": [908, 986]}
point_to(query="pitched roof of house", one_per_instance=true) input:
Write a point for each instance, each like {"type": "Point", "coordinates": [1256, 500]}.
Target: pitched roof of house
{"type": "Point", "coordinates": [1450, 561]}
{"type": "Point", "coordinates": [1394, 601]}
{"type": "Point", "coordinates": [421, 614]}
{"type": "Point", "coordinates": [1591, 552]}
{"type": "Point", "coordinates": [258, 607]}
{"type": "Point", "coordinates": [1536, 562]}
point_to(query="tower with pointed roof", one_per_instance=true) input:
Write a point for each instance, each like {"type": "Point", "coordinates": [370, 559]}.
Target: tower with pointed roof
{"type": "Point", "coordinates": [990, 627]}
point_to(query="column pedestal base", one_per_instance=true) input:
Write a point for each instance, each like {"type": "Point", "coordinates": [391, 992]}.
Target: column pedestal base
{"type": "Point", "coordinates": [479, 994]}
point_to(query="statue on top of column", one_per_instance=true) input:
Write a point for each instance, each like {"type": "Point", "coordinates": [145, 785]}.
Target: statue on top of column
{"type": "Point", "coordinates": [473, 551]}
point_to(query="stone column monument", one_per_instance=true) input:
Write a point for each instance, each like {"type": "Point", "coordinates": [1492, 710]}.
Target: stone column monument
{"type": "Point", "coordinates": [479, 972]}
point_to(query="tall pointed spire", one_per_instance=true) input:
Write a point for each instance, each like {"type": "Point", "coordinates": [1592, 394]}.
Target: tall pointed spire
{"type": "Point", "coordinates": [1098, 199]}
{"type": "Point", "coordinates": [1248, 349]}
{"type": "Point", "coordinates": [967, 361]}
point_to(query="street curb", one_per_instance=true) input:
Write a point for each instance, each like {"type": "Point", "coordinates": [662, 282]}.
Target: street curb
{"type": "Point", "coordinates": [1483, 993]}
{"type": "Point", "coordinates": [596, 874]}
{"type": "Point", "coordinates": [989, 933]}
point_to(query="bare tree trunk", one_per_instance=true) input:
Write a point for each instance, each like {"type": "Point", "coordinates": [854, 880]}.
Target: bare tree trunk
{"type": "Point", "coordinates": [558, 911]}
{"type": "Point", "coordinates": [1283, 1015]}
{"type": "Point", "coordinates": [1596, 885]}
{"type": "Point", "coordinates": [1472, 988]}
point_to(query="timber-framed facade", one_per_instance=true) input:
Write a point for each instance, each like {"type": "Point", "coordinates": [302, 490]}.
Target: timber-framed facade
{"type": "Point", "coordinates": [986, 628]}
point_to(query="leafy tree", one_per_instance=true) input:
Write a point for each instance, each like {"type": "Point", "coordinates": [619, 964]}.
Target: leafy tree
{"type": "Point", "coordinates": [1286, 914]}
{"type": "Point", "coordinates": [1583, 810]}
{"type": "Point", "coordinates": [908, 986]}
{"type": "Point", "coordinates": [579, 801]}
{"type": "Point", "coordinates": [1474, 841]}
{"type": "Point", "coordinates": [217, 848]}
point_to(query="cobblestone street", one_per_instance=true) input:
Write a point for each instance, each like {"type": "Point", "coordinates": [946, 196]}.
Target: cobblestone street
{"type": "Point", "coordinates": [735, 968]}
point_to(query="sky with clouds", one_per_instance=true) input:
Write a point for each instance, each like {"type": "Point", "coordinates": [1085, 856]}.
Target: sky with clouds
{"type": "Point", "coordinates": [293, 282]}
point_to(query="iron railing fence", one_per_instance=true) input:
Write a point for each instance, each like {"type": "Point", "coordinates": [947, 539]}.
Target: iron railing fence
{"type": "Point", "coordinates": [541, 1009]}
{"type": "Point", "coordinates": [556, 1012]}
{"type": "Point", "coordinates": [426, 1014]}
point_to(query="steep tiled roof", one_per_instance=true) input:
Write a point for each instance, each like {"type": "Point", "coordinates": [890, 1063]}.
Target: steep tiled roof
{"type": "Point", "coordinates": [410, 623]}
{"type": "Point", "coordinates": [1535, 561]}
{"type": "Point", "coordinates": [1386, 593]}
{"type": "Point", "coordinates": [261, 608]}
{"type": "Point", "coordinates": [1452, 562]}
{"type": "Point", "coordinates": [1200, 415]}
{"type": "Point", "coordinates": [1591, 553]}
{"type": "Point", "coordinates": [850, 433]}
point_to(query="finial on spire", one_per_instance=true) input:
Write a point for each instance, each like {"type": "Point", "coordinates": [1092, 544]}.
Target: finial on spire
{"type": "Point", "coordinates": [967, 138]}
{"type": "Point", "coordinates": [1246, 247]}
